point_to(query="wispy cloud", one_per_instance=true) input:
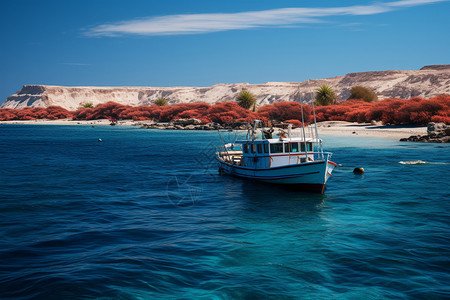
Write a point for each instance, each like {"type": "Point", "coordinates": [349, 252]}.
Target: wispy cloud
{"type": "Point", "coordinates": [214, 22]}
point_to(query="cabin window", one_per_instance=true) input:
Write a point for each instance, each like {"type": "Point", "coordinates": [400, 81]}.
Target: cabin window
{"type": "Point", "coordinates": [260, 148]}
{"type": "Point", "coordinates": [266, 148]}
{"type": "Point", "coordinates": [276, 148]}
{"type": "Point", "coordinates": [308, 147]}
{"type": "Point", "coordinates": [253, 148]}
{"type": "Point", "coordinates": [246, 148]}
{"type": "Point", "coordinates": [302, 145]}
{"type": "Point", "coordinates": [291, 147]}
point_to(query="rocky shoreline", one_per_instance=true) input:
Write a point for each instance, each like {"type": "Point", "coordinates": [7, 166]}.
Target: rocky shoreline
{"type": "Point", "coordinates": [436, 133]}
{"type": "Point", "coordinates": [195, 124]}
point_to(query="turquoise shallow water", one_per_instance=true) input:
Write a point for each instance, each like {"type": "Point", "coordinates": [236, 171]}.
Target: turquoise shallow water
{"type": "Point", "coordinates": [144, 215]}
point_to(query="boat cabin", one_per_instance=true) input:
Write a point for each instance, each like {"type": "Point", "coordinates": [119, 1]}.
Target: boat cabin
{"type": "Point", "coordinates": [296, 161]}
{"type": "Point", "coordinates": [269, 153]}
{"type": "Point", "coordinates": [276, 152]}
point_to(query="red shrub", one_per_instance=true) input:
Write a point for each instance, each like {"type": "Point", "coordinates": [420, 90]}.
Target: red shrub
{"type": "Point", "coordinates": [7, 114]}
{"type": "Point", "coordinates": [416, 111]}
{"type": "Point", "coordinates": [188, 114]}
{"type": "Point", "coordinates": [25, 114]}
{"type": "Point", "coordinates": [285, 110]}
{"type": "Point", "coordinates": [108, 110]}
{"type": "Point", "coordinates": [41, 112]}
{"type": "Point", "coordinates": [81, 114]}
{"type": "Point", "coordinates": [139, 113]}
{"type": "Point", "coordinates": [295, 123]}
{"type": "Point", "coordinates": [183, 110]}
{"type": "Point", "coordinates": [57, 112]}
{"type": "Point", "coordinates": [320, 117]}
{"type": "Point", "coordinates": [438, 119]}
{"type": "Point", "coordinates": [356, 116]}
{"type": "Point", "coordinates": [226, 112]}
{"type": "Point", "coordinates": [32, 113]}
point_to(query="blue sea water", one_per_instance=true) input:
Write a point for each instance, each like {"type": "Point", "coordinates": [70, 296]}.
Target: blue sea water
{"type": "Point", "coordinates": [145, 215]}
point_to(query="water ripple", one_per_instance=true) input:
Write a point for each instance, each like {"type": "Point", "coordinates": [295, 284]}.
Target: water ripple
{"type": "Point", "coordinates": [141, 216]}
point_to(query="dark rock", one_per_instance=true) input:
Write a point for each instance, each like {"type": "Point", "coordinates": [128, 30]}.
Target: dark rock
{"type": "Point", "coordinates": [437, 133]}
{"type": "Point", "coordinates": [190, 127]}
{"type": "Point", "coordinates": [185, 122]}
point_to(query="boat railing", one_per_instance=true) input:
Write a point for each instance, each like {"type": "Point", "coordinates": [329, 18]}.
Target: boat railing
{"type": "Point", "coordinates": [309, 132]}
{"type": "Point", "coordinates": [231, 156]}
{"type": "Point", "coordinates": [235, 157]}
{"type": "Point", "coordinates": [312, 156]}
{"type": "Point", "coordinates": [322, 156]}
{"type": "Point", "coordinates": [223, 152]}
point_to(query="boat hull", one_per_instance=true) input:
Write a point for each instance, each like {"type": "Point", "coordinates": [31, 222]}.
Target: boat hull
{"type": "Point", "coordinates": [311, 176]}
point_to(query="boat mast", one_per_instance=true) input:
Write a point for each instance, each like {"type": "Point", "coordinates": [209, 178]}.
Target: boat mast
{"type": "Point", "coordinates": [315, 123]}
{"type": "Point", "coordinates": [303, 123]}
{"type": "Point", "coordinates": [303, 126]}
{"type": "Point", "coordinates": [255, 129]}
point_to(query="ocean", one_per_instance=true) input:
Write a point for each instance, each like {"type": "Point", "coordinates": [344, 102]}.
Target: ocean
{"type": "Point", "coordinates": [144, 214]}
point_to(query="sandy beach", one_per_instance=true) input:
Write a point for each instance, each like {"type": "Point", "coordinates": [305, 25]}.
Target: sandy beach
{"type": "Point", "coordinates": [340, 128]}
{"type": "Point", "coordinates": [336, 128]}
{"type": "Point", "coordinates": [71, 122]}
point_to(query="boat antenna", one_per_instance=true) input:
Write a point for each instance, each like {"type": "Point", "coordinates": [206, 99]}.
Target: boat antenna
{"type": "Point", "coordinates": [315, 122]}
{"type": "Point", "coordinates": [303, 124]}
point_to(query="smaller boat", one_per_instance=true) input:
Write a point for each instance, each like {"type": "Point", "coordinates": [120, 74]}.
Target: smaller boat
{"type": "Point", "coordinates": [295, 162]}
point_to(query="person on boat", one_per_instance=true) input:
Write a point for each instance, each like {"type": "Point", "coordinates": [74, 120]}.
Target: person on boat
{"type": "Point", "coordinates": [268, 133]}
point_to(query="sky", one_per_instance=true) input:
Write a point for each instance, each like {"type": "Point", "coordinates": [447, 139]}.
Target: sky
{"type": "Point", "coordinates": [204, 42]}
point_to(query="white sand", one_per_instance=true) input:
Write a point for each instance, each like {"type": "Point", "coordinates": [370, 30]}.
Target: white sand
{"type": "Point", "coordinates": [339, 128]}
{"type": "Point", "coordinates": [336, 128]}
{"type": "Point", "coordinates": [71, 122]}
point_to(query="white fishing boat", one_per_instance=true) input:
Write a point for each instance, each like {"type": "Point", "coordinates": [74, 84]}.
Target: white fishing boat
{"type": "Point", "coordinates": [296, 162]}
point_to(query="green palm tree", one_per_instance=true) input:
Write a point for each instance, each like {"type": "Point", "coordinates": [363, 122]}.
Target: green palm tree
{"type": "Point", "coordinates": [246, 99]}
{"type": "Point", "coordinates": [161, 101]}
{"type": "Point", "coordinates": [325, 96]}
{"type": "Point", "coordinates": [87, 105]}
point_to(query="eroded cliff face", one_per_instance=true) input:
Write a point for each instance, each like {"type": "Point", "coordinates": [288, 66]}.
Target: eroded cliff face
{"type": "Point", "coordinates": [428, 82]}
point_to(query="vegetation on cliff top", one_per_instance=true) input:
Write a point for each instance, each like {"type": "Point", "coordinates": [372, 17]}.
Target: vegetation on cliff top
{"type": "Point", "coordinates": [415, 111]}
{"type": "Point", "coordinates": [325, 95]}
{"type": "Point", "coordinates": [161, 101]}
{"type": "Point", "coordinates": [246, 99]}
{"type": "Point", "coordinates": [362, 93]}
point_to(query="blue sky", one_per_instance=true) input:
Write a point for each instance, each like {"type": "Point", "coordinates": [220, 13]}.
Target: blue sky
{"type": "Point", "coordinates": [200, 43]}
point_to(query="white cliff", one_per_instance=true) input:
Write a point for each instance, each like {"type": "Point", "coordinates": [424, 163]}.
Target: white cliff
{"type": "Point", "coordinates": [428, 82]}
